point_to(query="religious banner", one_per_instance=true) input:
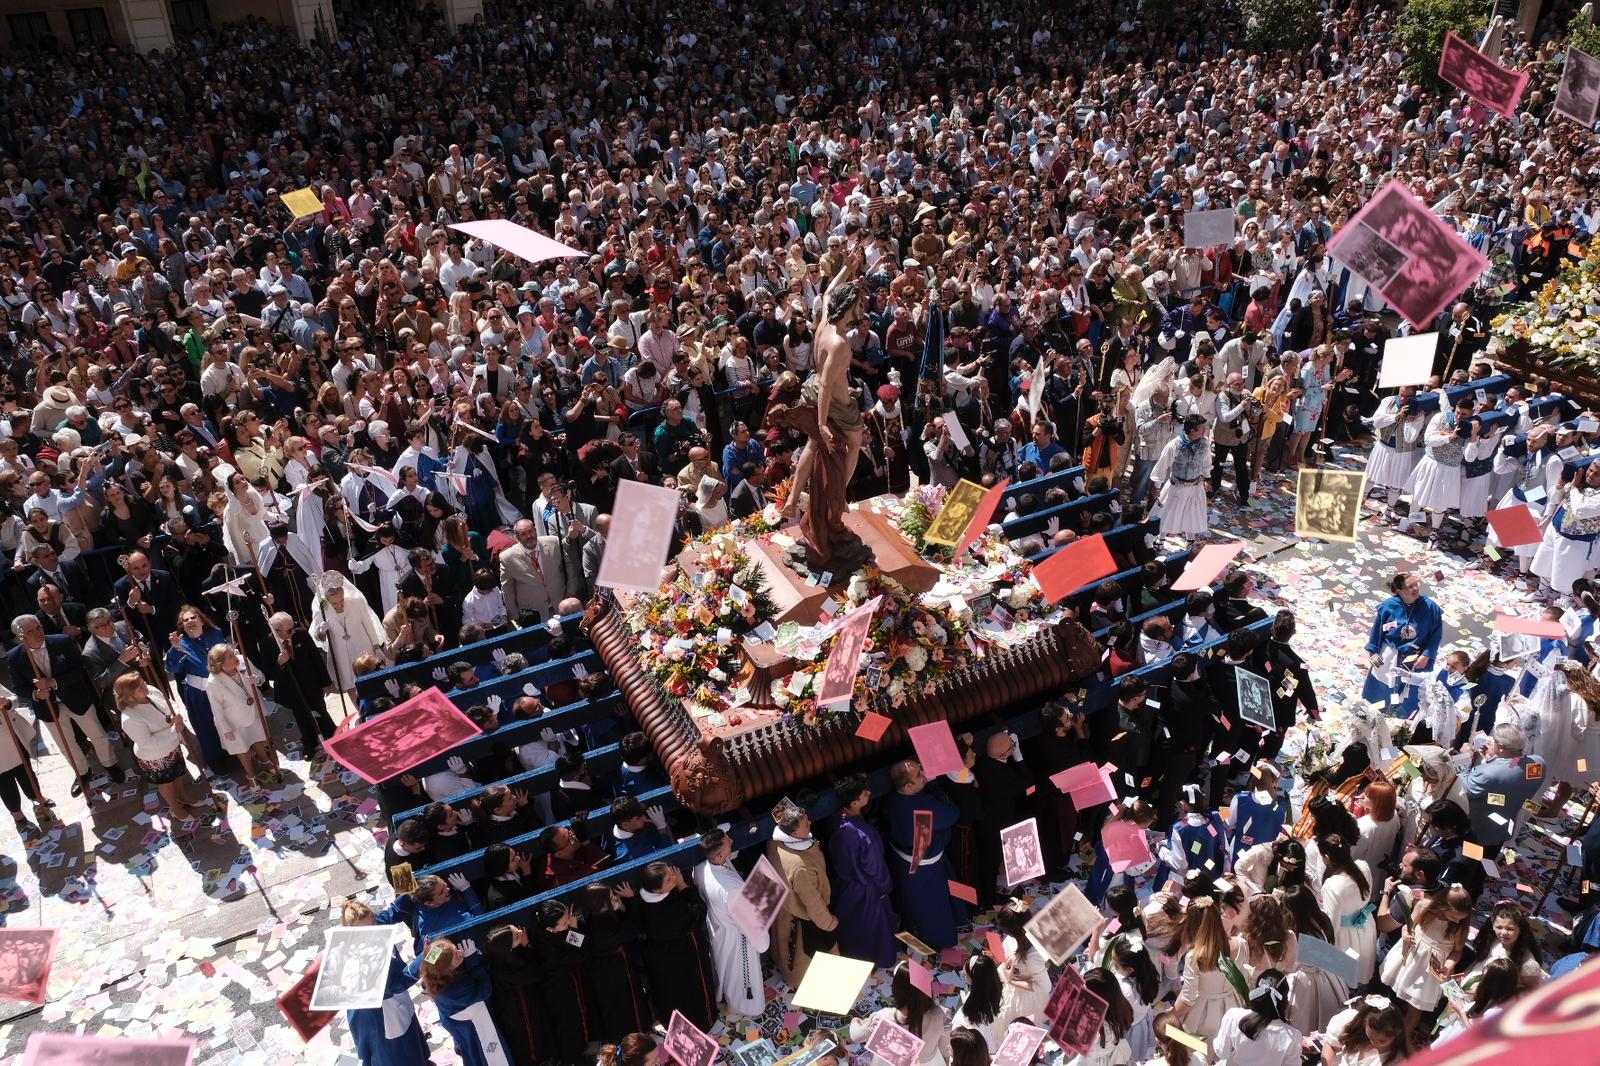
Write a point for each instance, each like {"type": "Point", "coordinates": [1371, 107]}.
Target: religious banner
{"type": "Point", "coordinates": [1480, 77]}
{"type": "Point", "coordinates": [1578, 96]}
{"type": "Point", "coordinates": [955, 517]}
{"type": "Point", "coordinates": [389, 744]}
{"type": "Point", "coordinates": [1327, 503]}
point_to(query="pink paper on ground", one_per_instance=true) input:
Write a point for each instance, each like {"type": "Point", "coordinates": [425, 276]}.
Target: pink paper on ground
{"type": "Point", "coordinates": [1533, 627]}
{"type": "Point", "coordinates": [1126, 845]}
{"type": "Point", "coordinates": [1206, 564]}
{"type": "Point", "coordinates": [1083, 562]}
{"type": "Point", "coordinates": [61, 1049]}
{"type": "Point", "coordinates": [26, 956]}
{"type": "Point", "coordinates": [953, 957]}
{"type": "Point", "coordinates": [520, 241]}
{"type": "Point", "coordinates": [980, 517]}
{"type": "Point", "coordinates": [936, 748]}
{"type": "Point", "coordinates": [838, 683]}
{"type": "Point", "coordinates": [640, 538]}
{"type": "Point", "coordinates": [425, 726]}
{"type": "Point", "coordinates": [1514, 526]}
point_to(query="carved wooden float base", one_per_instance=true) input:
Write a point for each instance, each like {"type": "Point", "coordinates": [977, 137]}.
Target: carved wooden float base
{"type": "Point", "coordinates": [716, 775]}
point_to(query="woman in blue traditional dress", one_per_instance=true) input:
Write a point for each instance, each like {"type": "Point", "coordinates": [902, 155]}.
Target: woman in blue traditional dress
{"type": "Point", "coordinates": [193, 640]}
{"type": "Point", "coordinates": [861, 882]}
{"type": "Point", "coordinates": [458, 981]}
{"type": "Point", "coordinates": [388, 1034]}
{"type": "Point", "coordinates": [1405, 637]}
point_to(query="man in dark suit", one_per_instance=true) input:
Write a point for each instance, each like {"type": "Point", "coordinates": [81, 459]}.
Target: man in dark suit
{"type": "Point", "coordinates": [430, 582]}
{"type": "Point", "coordinates": [68, 576]}
{"type": "Point", "coordinates": [50, 673]}
{"type": "Point", "coordinates": [300, 680]}
{"type": "Point", "coordinates": [58, 616]}
{"type": "Point", "coordinates": [1238, 652]}
{"type": "Point", "coordinates": [750, 495]}
{"type": "Point", "coordinates": [634, 464]}
{"type": "Point", "coordinates": [151, 598]}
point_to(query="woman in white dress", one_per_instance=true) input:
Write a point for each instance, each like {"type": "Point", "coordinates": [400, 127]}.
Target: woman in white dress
{"type": "Point", "coordinates": [345, 628]}
{"type": "Point", "coordinates": [233, 689]}
{"type": "Point", "coordinates": [1171, 1051]}
{"type": "Point", "coordinates": [1110, 1047]}
{"type": "Point", "coordinates": [1435, 485]}
{"type": "Point", "coordinates": [1378, 844]}
{"type": "Point", "coordinates": [1181, 472]}
{"type": "Point", "coordinates": [1371, 1032]}
{"type": "Point", "coordinates": [1431, 944]}
{"type": "Point", "coordinates": [1257, 1034]}
{"type": "Point", "coordinates": [1315, 995]}
{"type": "Point", "coordinates": [1140, 981]}
{"type": "Point", "coordinates": [1569, 550]}
{"type": "Point", "coordinates": [1024, 977]}
{"type": "Point", "coordinates": [1212, 983]}
{"type": "Point", "coordinates": [244, 521]}
{"type": "Point", "coordinates": [1506, 934]}
{"type": "Point", "coordinates": [1346, 889]}
{"type": "Point", "coordinates": [1499, 986]}
{"type": "Point", "coordinates": [980, 1010]}
{"type": "Point", "coordinates": [914, 1010]}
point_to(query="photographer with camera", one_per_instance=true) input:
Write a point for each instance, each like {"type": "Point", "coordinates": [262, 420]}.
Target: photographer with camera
{"type": "Point", "coordinates": [1237, 410]}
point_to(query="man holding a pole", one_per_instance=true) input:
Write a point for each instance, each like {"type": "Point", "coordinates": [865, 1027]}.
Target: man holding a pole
{"type": "Point", "coordinates": [51, 671]}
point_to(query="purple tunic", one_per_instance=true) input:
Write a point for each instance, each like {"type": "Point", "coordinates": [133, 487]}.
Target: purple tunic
{"type": "Point", "coordinates": [861, 888]}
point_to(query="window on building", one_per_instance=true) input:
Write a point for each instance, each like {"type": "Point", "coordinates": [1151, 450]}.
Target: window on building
{"type": "Point", "coordinates": [88, 25]}
{"type": "Point", "coordinates": [189, 15]}
{"type": "Point", "coordinates": [30, 29]}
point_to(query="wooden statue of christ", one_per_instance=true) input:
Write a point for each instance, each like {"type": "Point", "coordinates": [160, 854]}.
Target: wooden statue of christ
{"type": "Point", "coordinates": [831, 420]}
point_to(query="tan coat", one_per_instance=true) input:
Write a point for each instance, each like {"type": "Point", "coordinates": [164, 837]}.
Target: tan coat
{"type": "Point", "coordinates": [806, 873]}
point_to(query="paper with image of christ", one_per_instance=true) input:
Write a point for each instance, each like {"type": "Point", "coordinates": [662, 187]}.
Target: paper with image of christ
{"type": "Point", "coordinates": [1327, 503]}
{"type": "Point", "coordinates": [1480, 77]}
{"type": "Point", "coordinates": [757, 905]}
{"type": "Point", "coordinates": [26, 956]}
{"type": "Point", "coordinates": [955, 516]}
{"type": "Point", "coordinates": [686, 1045]}
{"type": "Point", "coordinates": [61, 1049]}
{"type": "Point", "coordinates": [1075, 1013]}
{"type": "Point", "coordinates": [981, 517]}
{"type": "Point", "coordinates": [1019, 1046]}
{"type": "Point", "coordinates": [936, 748]}
{"type": "Point", "coordinates": [640, 538]}
{"type": "Point", "coordinates": [894, 1044]}
{"type": "Point", "coordinates": [355, 968]}
{"type": "Point", "coordinates": [1022, 852]}
{"type": "Point", "coordinates": [295, 1004]}
{"type": "Point", "coordinates": [1062, 924]}
{"type": "Point", "coordinates": [838, 682]}
{"type": "Point", "coordinates": [1409, 254]}
{"type": "Point", "coordinates": [391, 743]}
{"type": "Point", "coordinates": [921, 836]}
{"type": "Point", "coordinates": [1578, 96]}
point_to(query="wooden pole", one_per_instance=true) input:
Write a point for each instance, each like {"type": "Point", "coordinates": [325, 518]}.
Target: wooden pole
{"type": "Point", "coordinates": [1559, 869]}
{"type": "Point", "coordinates": [146, 667]}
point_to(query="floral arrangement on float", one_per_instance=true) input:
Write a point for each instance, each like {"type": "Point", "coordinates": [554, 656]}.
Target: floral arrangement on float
{"type": "Point", "coordinates": [689, 629]}
{"type": "Point", "coordinates": [1561, 324]}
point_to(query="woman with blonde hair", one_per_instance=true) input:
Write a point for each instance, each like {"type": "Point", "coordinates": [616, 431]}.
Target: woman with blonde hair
{"type": "Point", "coordinates": [1212, 984]}
{"type": "Point", "coordinates": [234, 689]}
{"type": "Point", "coordinates": [157, 735]}
{"type": "Point", "coordinates": [457, 979]}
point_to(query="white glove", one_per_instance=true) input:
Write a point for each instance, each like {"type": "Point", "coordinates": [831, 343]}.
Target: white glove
{"type": "Point", "coordinates": [1052, 526]}
{"type": "Point", "coordinates": [1016, 748]}
{"type": "Point", "coordinates": [547, 735]}
{"type": "Point", "coordinates": [495, 703]}
{"type": "Point", "coordinates": [458, 882]}
{"type": "Point", "coordinates": [457, 765]}
{"type": "Point", "coordinates": [468, 949]}
{"type": "Point", "coordinates": [657, 817]}
{"type": "Point", "coordinates": [439, 674]}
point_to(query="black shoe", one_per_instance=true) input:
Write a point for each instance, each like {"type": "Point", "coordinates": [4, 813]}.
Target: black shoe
{"type": "Point", "coordinates": [117, 774]}
{"type": "Point", "coordinates": [77, 787]}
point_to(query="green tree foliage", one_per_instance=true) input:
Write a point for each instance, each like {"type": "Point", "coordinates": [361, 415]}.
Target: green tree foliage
{"type": "Point", "coordinates": [1274, 25]}
{"type": "Point", "coordinates": [1421, 28]}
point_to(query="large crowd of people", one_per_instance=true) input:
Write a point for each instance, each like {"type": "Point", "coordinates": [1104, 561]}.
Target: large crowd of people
{"type": "Point", "coordinates": [248, 458]}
